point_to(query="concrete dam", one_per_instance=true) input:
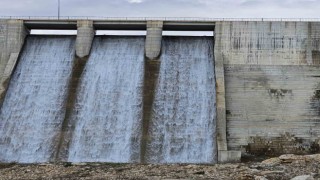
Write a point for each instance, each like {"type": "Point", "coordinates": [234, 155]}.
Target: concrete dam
{"type": "Point", "coordinates": [251, 89]}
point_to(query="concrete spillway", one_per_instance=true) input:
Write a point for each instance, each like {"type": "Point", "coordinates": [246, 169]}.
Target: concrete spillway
{"type": "Point", "coordinates": [105, 122]}
{"type": "Point", "coordinates": [183, 121]}
{"type": "Point", "coordinates": [33, 109]}
{"type": "Point", "coordinates": [108, 111]}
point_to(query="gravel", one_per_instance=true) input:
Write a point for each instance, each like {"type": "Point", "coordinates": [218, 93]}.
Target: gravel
{"type": "Point", "coordinates": [283, 167]}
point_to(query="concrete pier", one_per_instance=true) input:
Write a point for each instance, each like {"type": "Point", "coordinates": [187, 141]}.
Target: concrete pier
{"type": "Point", "coordinates": [151, 73]}
{"type": "Point", "coordinates": [85, 37]}
{"type": "Point", "coordinates": [153, 40]}
{"type": "Point", "coordinates": [12, 35]}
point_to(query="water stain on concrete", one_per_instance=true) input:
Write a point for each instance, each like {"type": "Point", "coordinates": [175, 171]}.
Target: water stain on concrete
{"type": "Point", "coordinates": [285, 144]}
{"type": "Point", "coordinates": [316, 57]}
{"type": "Point", "coordinates": [315, 100]}
{"type": "Point", "coordinates": [279, 93]}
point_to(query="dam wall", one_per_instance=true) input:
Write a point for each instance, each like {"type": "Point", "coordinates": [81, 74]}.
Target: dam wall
{"type": "Point", "coordinates": [253, 88]}
{"type": "Point", "coordinates": [271, 73]}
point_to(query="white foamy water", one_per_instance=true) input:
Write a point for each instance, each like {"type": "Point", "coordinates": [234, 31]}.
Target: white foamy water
{"type": "Point", "coordinates": [108, 111]}
{"type": "Point", "coordinates": [33, 109]}
{"type": "Point", "coordinates": [183, 124]}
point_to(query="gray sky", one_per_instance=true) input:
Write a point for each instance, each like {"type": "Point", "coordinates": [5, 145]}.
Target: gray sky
{"type": "Point", "coordinates": [165, 8]}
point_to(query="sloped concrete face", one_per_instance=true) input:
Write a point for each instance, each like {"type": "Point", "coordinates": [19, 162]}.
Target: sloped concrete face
{"type": "Point", "coordinates": [85, 37]}
{"type": "Point", "coordinates": [271, 76]}
{"type": "Point", "coordinates": [153, 40]}
{"type": "Point", "coordinates": [12, 35]}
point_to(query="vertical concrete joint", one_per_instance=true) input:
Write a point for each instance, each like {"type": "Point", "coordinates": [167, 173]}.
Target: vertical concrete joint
{"type": "Point", "coordinates": [85, 37]}
{"type": "Point", "coordinates": [153, 40]}
{"type": "Point", "coordinates": [223, 154]}
{"type": "Point", "coordinates": [12, 35]}
{"type": "Point", "coordinates": [220, 89]}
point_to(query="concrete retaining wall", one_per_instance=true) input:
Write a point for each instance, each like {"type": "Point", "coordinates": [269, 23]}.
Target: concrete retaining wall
{"type": "Point", "coordinates": [272, 85]}
{"type": "Point", "coordinates": [12, 35]}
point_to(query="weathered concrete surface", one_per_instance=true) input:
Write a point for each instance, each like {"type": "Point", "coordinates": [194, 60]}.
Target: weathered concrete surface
{"type": "Point", "coordinates": [269, 43]}
{"type": "Point", "coordinates": [272, 85]}
{"type": "Point", "coordinates": [85, 35]}
{"type": "Point", "coordinates": [154, 39]}
{"type": "Point", "coordinates": [273, 109]}
{"type": "Point", "coordinates": [12, 35]}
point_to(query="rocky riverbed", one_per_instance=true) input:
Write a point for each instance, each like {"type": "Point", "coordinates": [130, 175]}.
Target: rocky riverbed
{"type": "Point", "coordinates": [283, 167]}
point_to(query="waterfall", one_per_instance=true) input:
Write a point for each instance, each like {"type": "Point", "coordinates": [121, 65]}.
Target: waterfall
{"type": "Point", "coordinates": [33, 109]}
{"type": "Point", "coordinates": [182, 128]}
{"type": "Point", "coordinates": [108, 111]}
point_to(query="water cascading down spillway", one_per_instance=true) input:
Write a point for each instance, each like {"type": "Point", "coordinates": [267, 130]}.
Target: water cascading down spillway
{"type": "Point", "coordinates": [108, 112]}
{"type": "Point", "coordinates": [105, 122]}
{"type": "Point", "coordinates": [182, 128]}
{"type": "Point", "coordinates": [33, 109]}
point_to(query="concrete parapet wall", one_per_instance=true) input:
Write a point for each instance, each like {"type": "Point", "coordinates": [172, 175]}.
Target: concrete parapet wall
{"type": "Point", "coordinates": [85, 37]}
{"type": "Point", "coordinates": [271, 85]}
{"type": "Point", "coordinates": [12, 35]}
{"type": "Point", "coordinates": [154, 39]}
